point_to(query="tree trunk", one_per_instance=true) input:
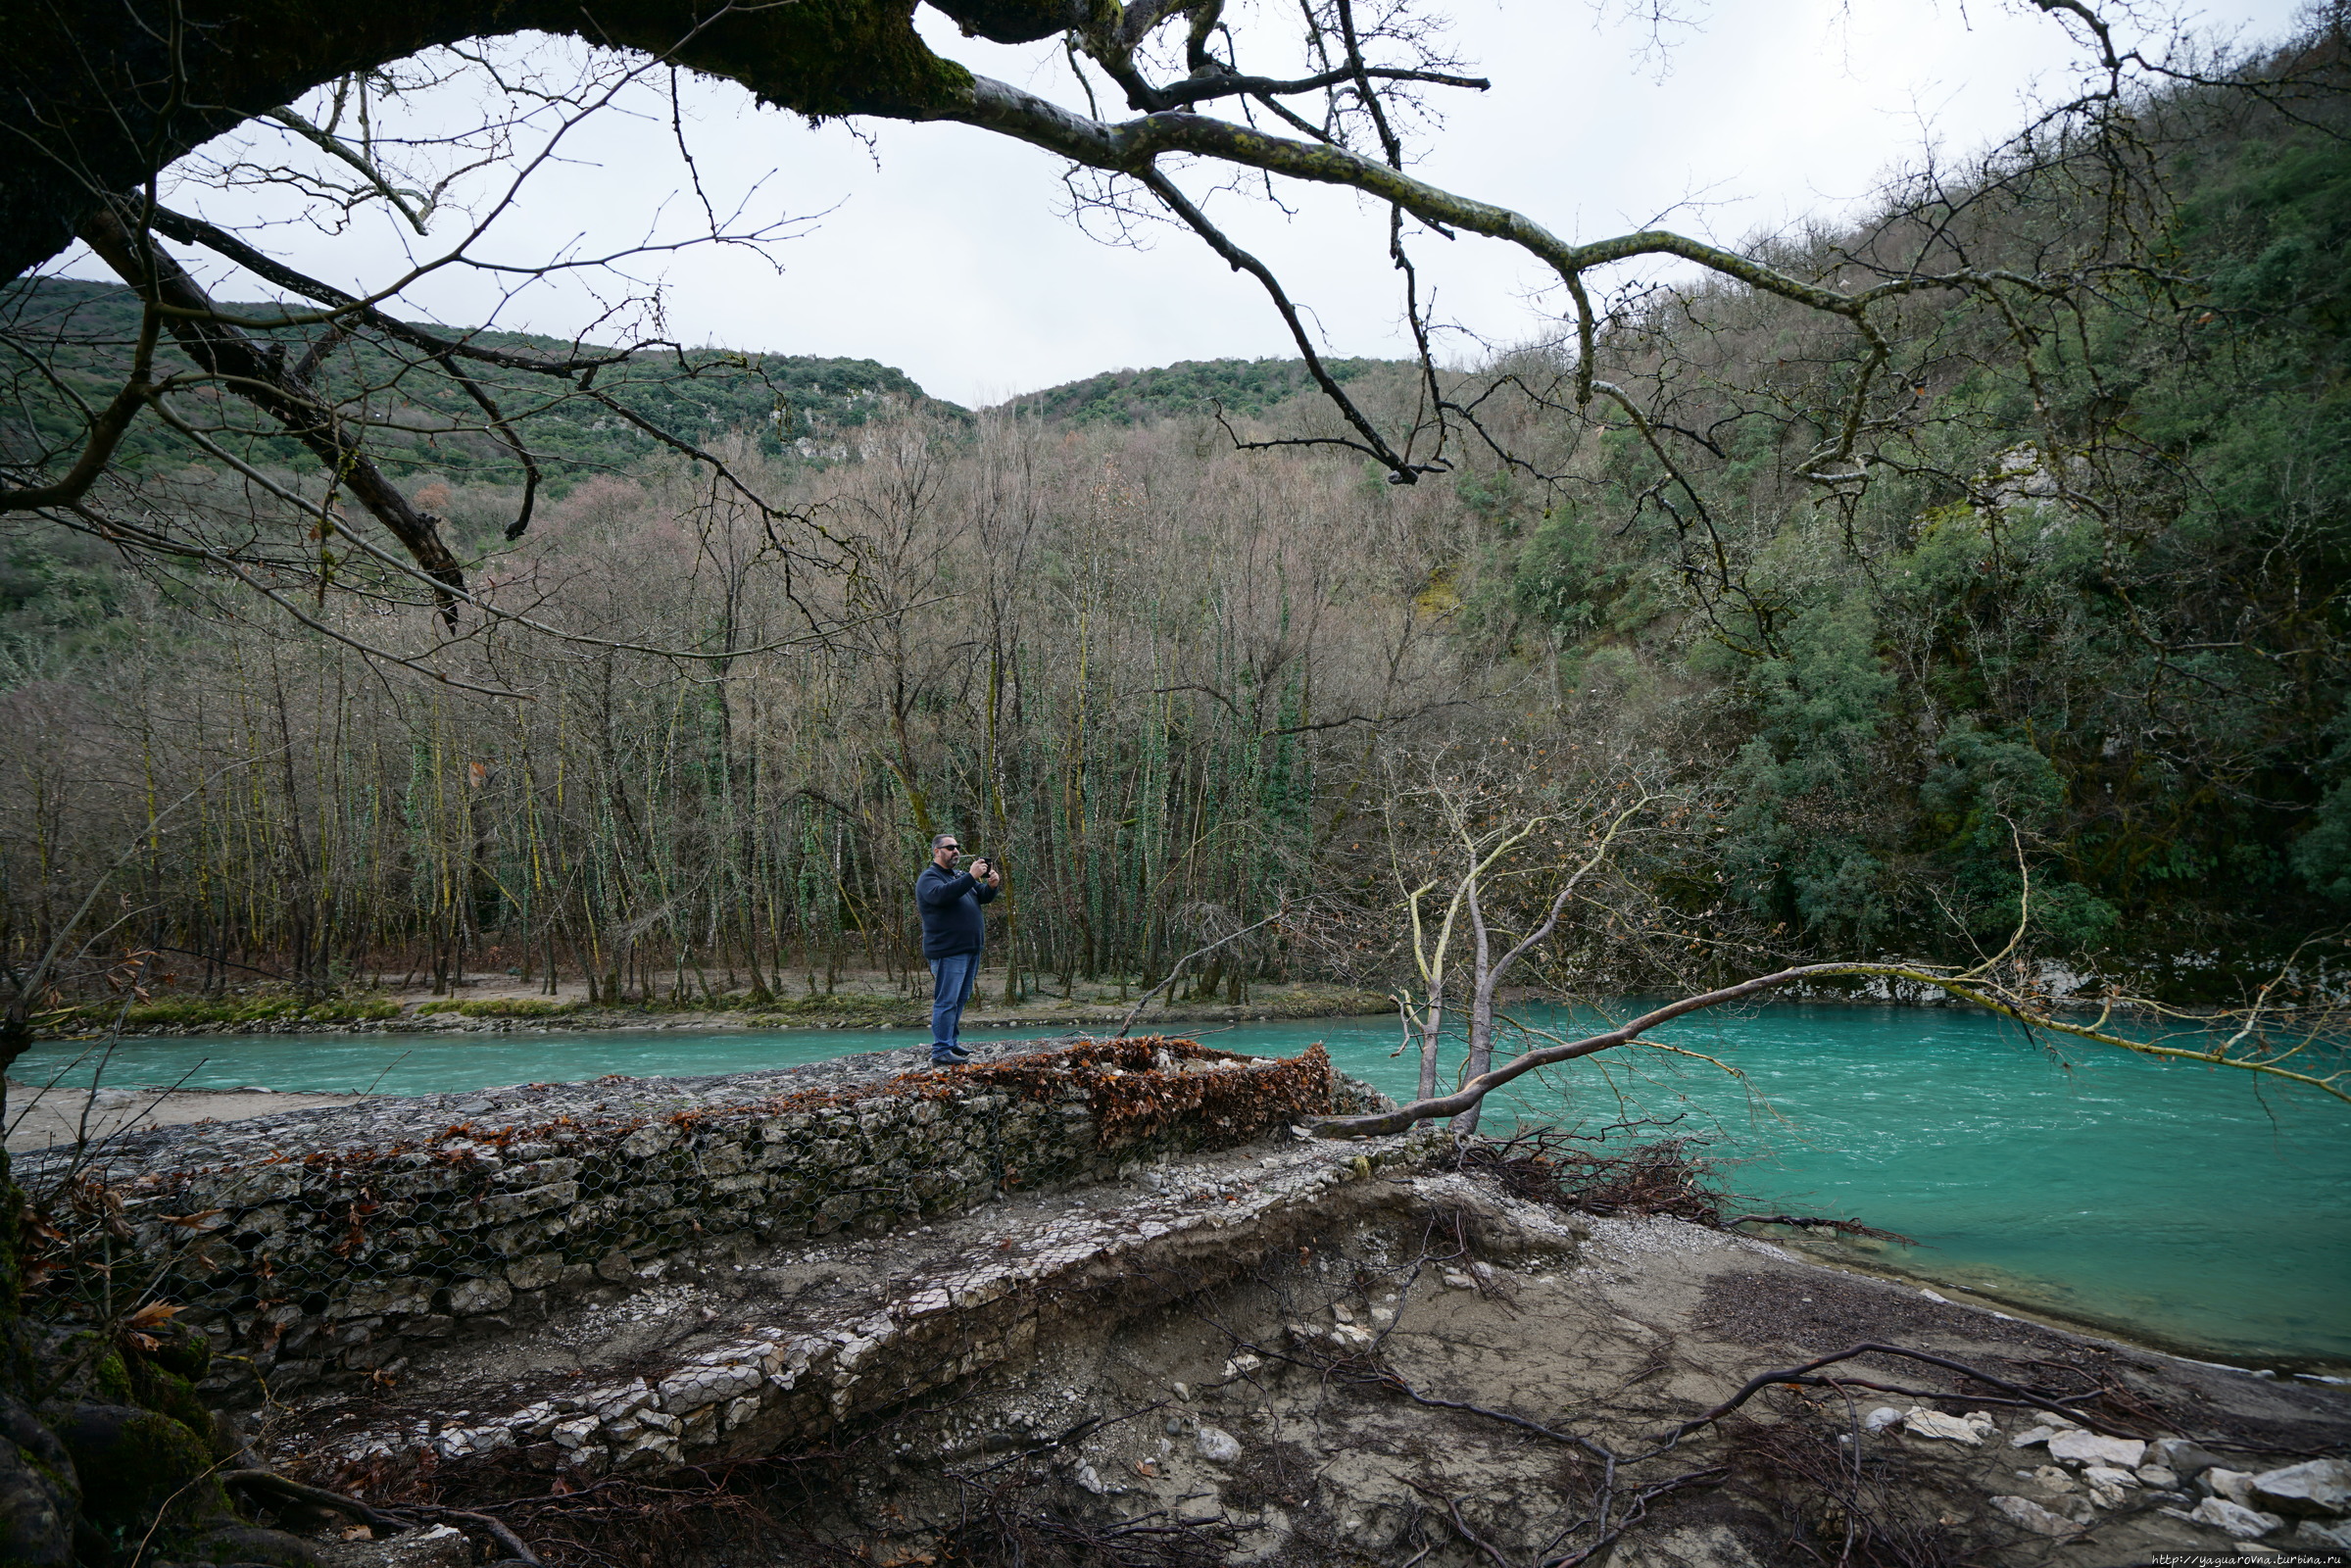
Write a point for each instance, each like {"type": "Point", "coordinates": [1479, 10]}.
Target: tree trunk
{"type": "Point", "coordinates": [1481, 1011]}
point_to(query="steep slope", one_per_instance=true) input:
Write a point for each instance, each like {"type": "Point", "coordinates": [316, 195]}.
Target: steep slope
{"type": "Point", "coordinates": [1239, 387]}
{"type": "Point", "coordinates": [797, 404]}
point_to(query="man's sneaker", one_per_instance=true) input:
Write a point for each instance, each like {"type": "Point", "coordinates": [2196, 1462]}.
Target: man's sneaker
{"type": "Point", "coordinates": [949, 1057]}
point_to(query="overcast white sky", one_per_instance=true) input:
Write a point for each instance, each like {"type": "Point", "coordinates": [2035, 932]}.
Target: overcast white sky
{"type": "Point", "coordinates": [941, 249]}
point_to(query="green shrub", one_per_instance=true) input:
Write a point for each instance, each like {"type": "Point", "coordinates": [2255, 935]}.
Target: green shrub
{"type": "Point", "coordinates": [366, 1010]}
{"type": "Point", "coordinates": [512, 1007]}
{"type": "Point", "coordinates": [195, 1013]}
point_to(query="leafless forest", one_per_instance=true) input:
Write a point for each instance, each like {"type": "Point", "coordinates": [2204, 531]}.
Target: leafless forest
{"type": "Point", "coordinates": [1993, 534]}
{"type": "Point", "coordinates": [1158, 676]}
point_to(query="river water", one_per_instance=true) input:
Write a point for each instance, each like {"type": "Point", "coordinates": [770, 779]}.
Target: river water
{"type": "Point", "coordinates": [2194, 1205]}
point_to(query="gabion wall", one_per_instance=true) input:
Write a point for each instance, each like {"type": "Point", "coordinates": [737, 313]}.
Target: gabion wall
{"type": "Point", "coordinates": [323, 1266]}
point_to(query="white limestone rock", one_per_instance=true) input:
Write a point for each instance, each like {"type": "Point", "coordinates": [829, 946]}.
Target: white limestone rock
{"type": "Point", "coordinates": [2218, 1513]}
{"type": "Point", "coordinates": [2107, 1485]}
{"type": "Point", "coordinates": [649, 1450]}
{"type": "Point", "coordinates": [440, 1546]}
{"type": "Point", "coordinates": [616, 1399]}
{"type": "Point", "coordinates": [587, 1462]}
{"type": "Point", "coordinates": [459, 1442]}
{"type": "Point", "coordinates": [2334, 1536]}
{"type": "Point", "coordinates": [765, 1354]}
{"type": "Point", "coordinates": [535, 1272]}
{"type": "Point", "coordinates": [702, 1386]}
{"type": "Point", "coordinates": [534, 1419]}
{"type": "Point", "coordinates": [2030, 1515]}
{"type": "Point", "coordinates": [2313, 1489]}
{"type": "Point", "coordinates": [575, 1434]}
{"type": "Point", "coordinates": [2088, 1447]}
{"type": "Point", "coordinates": [1347, 1339]}
{"type": "Point", "coordinates": [1217, 1446]}
{"type": "Point", "coordinates": [2183, 1456]}
{"type": "Point", "coordinates": [2055, 1476]}
{"type": "Point", "coordinates": [643, 1420]}
{"type": "Point", "coordinates": [1971, 1428]}
{"type": "Point", "coordinates": [2046, 1426]}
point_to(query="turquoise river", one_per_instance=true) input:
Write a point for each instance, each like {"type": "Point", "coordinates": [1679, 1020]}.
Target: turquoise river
{"type": "Point", "coordinates": [2192, 1205]}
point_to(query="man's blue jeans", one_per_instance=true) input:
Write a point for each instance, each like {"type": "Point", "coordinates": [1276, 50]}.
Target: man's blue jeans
{"type": "Point", "coordinates": [954, 979]}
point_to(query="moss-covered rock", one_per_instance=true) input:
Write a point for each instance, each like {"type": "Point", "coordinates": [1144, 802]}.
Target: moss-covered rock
{"type": "Point", "coordinates": [244, 1543]}
{"type": "Point", "coordinates": [186, 1354]}
{"type": "Point", "coordinates": [166, 1392]}
{"type": "Point", "coordinates": [110, 1376]}
{"type": "Point", "coordinates": [40, 1493]}
{"type": "Point", "coordinates": [36, 1514]}
{"type": "Point", "coordinates": [136, 1464]}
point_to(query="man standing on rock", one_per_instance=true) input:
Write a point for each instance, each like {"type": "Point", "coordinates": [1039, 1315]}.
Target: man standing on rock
{"type": "Point", "coordinates": [954, 931]}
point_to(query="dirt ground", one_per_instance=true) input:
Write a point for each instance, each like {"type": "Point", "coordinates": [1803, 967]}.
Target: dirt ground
{"type": "Point", "coordinates": [1325, 1452]}
{"type": "Point", "coordinates": [43, 1118]}
{"type": "Point", "coordinates": [1332, 1365]}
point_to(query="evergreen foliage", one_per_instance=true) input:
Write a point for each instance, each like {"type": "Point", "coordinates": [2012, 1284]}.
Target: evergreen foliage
{"type": "Point", "coordinates": [2099, 615]}
{"type": "Point", "coordinates": [794, 406]}
{"type": "Point", "coordinates": [1239, 388]}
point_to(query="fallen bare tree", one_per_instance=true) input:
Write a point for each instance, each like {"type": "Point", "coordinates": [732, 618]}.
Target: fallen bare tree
{"type": "Point", "coordinates": [2268, 1038]}
{"type": "Point", "coordinates": [1490, 839]}
{"type": "Point", "coordinates": [1504, 878]}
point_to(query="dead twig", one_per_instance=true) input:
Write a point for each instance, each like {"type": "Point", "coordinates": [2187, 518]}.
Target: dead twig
{"type": "Point", "coordinates": [317, 1496]}
{"type": "Point", "coordinates": [1635, 1512]}
{"type": "Point", "coordinates": [1177, 968]}
{"type": "Point", "coordinates": [1452, 1513]}
{"type": "Point", "coordinates": [517, 1550]}
{"type": "Point", "coordinates": [1805, 1376]}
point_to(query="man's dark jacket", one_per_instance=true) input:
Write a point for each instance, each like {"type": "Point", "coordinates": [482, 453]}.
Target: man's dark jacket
{"type": "Point", "coordinates": [950, 904]}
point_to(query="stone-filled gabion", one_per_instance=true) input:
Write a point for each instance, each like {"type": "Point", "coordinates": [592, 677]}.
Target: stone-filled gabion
{"type": "Point", "coordinates": [309, 1258]}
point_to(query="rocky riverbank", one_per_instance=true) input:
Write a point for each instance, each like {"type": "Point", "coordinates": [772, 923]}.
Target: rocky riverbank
{"type": "Point", "coordinates": [1304, 1352]}
{"type": "Point", "coordinates": [861, 1312]}
{"type": "Point", "coordinates": [506, 1007]}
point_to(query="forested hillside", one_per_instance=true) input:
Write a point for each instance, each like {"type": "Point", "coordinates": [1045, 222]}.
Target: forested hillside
{"type": "Point", "coordinates": [795, 406]}
{"type": "Point", "coordinates": [2099, 596]}
{"type": "Point", "coordinates": [1243, 388]}
{"type": "Point", "coordinates": [2084, 613]}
